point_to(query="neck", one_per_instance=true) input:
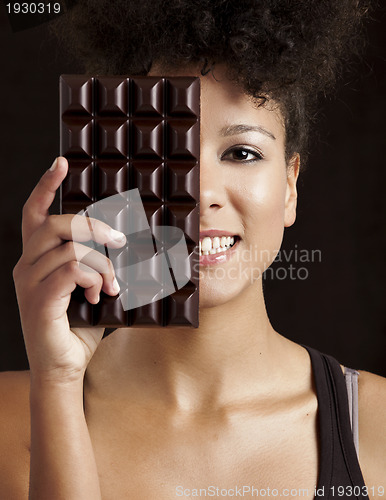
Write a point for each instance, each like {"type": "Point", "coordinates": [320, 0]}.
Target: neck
{"type": "Point", "coordinates": [231, 356]}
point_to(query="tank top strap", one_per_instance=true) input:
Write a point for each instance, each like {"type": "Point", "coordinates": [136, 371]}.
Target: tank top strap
{"type": "Point", "coordinates": [338, 461]}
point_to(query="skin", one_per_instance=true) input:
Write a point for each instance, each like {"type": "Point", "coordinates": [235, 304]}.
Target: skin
{"type": "Point", "coordinates": [233, 400]}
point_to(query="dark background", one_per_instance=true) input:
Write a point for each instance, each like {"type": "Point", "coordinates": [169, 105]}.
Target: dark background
{"type": "Point", "coordinates": [339, 308]}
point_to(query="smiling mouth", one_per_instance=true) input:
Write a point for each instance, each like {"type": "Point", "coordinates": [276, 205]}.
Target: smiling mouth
{"type": "Point", "coordinates": [212, 246]}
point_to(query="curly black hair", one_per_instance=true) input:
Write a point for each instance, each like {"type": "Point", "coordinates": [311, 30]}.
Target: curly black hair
{"type": "Point", "coordinates": [289, 51]}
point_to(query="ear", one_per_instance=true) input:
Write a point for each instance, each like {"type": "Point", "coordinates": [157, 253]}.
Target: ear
{"type": "Point", "coordinates": [291, 194]}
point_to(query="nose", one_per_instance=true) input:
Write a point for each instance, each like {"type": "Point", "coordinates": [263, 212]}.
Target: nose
{"type": "Point", "coordinates": [212, 187]}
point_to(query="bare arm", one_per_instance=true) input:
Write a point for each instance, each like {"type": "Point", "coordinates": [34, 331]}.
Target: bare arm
{"type": "Point", "coordinates": [372, 433]}
{"type": "Point", "coordinates": [62, 458]}
{"type": "Point", "coordinates": [62, 462]}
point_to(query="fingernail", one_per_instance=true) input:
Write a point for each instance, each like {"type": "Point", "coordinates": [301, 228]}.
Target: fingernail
{"type": "Point", "coordinates": [117, 236]}
{"type": "Point", "coordinates": [54, 165]}
{"type": "Point", "coordinates": [116, 285]}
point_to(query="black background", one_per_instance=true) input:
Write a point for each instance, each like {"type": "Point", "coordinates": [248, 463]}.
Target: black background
{"type": "Point", "coordinates": [339, 308]}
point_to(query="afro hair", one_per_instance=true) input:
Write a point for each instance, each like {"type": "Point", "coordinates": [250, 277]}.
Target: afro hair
{"type": "Point", "coordinates": [289, 51]}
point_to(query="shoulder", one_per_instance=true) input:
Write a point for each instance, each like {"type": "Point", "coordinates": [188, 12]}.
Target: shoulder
{"type": "Point", "coordinates": [14, 408]}
{"type": "Point", "coordinates": [372, 428]}
{"type": "Point", "coordinates": [14, 393]}
{"type": "Point", "coordinates": [14, 434]}
{"type": "Point", "coordinates": [13, 378]}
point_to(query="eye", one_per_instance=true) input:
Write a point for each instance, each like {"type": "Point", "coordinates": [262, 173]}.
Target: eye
{"type": "Point", "coordinates": [242, 154]}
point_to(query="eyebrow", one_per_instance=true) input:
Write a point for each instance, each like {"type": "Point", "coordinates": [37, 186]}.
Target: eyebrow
{"type": "Point", "coordinates": [242, 128]}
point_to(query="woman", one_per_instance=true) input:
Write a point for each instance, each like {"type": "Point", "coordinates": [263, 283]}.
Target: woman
{"type": "Point", "coordinates": [233, 404]}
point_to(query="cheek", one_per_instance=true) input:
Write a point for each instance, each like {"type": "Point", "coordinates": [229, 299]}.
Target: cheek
{"type": "Point", "coordinates": [263, 212]}
{"type": "Point", "coordinates": [264, 196]}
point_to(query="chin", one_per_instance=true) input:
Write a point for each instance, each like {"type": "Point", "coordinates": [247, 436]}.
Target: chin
{"type": "Point", "coordinates": [217, 293]}
{"type": "Point", "coordinates": [209, 302]}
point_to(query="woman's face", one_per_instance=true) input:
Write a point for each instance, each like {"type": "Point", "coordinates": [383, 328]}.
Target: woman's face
{"type": "Point", "coordinates": [246, 188]}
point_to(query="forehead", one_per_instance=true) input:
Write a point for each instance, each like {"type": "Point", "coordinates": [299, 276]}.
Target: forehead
{"type": "Point", "coordinates": [223, 103]}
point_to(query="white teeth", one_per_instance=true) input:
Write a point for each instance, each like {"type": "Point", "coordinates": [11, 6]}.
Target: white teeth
{"type": "Point", "coordinates": [206, 244]}
{"type": "Point", "coordinates": [217, 244]}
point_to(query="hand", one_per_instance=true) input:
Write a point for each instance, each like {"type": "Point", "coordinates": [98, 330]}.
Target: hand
{"type": "Point", "coordinates": [49, 270]}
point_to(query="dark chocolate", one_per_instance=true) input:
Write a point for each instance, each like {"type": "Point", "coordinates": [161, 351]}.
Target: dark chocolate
{"type": "Point", "coordinates": [119, 133]}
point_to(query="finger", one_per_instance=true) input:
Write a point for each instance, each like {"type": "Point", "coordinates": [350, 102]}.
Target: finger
{"type": "Point", "coordinates": [60, 228]}
{"type": "Point", "coordinates": [63, 281]}
{"type": "Point", "coordinates": [92, 293]}
{"type": "Point", "coordinates": [35, 210]}
{"type": "Point", "coordinates": [70, 251]}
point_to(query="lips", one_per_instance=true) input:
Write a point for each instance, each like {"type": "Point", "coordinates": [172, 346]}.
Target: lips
{"type": "Point", "coordinates": [217, 232]}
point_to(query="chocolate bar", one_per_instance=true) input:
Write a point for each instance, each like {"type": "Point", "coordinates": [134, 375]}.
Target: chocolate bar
{"type": "Point", "coordinates": [133, 147]}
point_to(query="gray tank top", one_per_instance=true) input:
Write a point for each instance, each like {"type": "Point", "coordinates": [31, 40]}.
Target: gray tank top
{"type": "Point", "coordinates": [351, 377]}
